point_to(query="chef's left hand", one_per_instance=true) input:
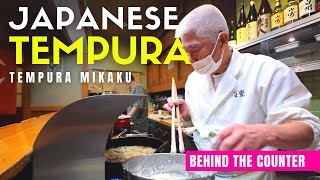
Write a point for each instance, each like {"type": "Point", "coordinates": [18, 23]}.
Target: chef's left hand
{"type": "Point", "coordinates": [241, 137]}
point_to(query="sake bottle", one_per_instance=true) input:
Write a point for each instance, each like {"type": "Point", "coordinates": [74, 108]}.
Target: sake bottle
{"type": "Point", "coordinates": [306, 8]}
{"type": "Point", "coordinates": [242, 33]}
{"type": "Point", "coordinates": [277, 16]}
{"type": "Point", "coordinates": [291, 12]}
{"type": "Point", "coordinates": [252, 25]}
{"type": "Point", "coordinates": [232, 35]}
{"type": "Point", "coordinates": [264, 18]}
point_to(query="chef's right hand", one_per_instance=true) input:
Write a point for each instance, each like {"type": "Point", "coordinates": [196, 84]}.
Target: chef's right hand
{"type": "Point", "coordinates": [183, 107]}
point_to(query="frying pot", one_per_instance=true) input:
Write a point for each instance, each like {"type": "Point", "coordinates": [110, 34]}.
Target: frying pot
{"type": "Point", "coordinates": [114, 170]}
{"type": "Point", "coordinates": [161, 166]}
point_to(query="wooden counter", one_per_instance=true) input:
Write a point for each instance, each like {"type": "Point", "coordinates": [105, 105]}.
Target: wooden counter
{"type": "Point", "coordinates": [16, 144]}
{"type": "Point", "coordinates": [165, 122]}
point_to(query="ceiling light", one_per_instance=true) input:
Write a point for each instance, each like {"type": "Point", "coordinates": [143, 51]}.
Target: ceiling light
{"type": "Point", "coordinates": [291, 39]}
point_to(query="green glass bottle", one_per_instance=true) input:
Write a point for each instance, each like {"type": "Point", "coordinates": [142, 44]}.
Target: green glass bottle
{"type": "Point", "coordinates": [232, 35]}
{"type": "Point", "coordinates": [242, 33]}
{"type": "Point", "coordinates": [306, 8]}
{"type": "Point", "coordinates": [252, 25]}
{"type": "Point", "coordinates": [277, 16]}
{"type": "Point", "coordinates": [291, 12]}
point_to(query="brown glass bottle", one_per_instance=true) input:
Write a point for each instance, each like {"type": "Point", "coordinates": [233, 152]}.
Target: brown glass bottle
{"type": "Point", "coordinates": [277, 16]}
{"type": "Point", "coordinates": [252, 25]}
{"type": "Point", "coordinates": [291, 12]}
{"type": "Point", "coordinates": [242, 33]}
{"type": "Point", "coordinates": [306, 8]}
{"type": "Point", "coordinates": [264, 18]}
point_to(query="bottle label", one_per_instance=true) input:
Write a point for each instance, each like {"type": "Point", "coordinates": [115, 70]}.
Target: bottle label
{"type": "Point", "coordinates": [277, 20]}
{"type": "Point", "coordinates": [242, 35]}
{"type": "Point", "coordinates": [252, 29]}
{"type": "Point", "coordinates": [307, 6]}
{"type": "Point", "coordinates": [264, 24]}
{"type": "Point", "coordinates": [291, 13]}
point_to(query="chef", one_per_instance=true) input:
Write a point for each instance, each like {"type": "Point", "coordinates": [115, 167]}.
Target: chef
{"type": "Point", "coordinates": [253, 101]}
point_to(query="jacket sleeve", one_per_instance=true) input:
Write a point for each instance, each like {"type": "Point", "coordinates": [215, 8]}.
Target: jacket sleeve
{"type": "Point", "coordinates": [285, 99]}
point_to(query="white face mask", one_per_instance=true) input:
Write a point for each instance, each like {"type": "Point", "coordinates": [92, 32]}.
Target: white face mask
{"type": "Point", "coordinates": [207, 65]}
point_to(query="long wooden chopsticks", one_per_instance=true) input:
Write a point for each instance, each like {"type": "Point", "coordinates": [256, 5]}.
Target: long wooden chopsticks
{"type": "Point", "coordinates": [175, 110]}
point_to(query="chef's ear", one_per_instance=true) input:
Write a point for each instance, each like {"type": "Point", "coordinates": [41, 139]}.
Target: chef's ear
{"type": "Point", "coordinates": [224, 39]}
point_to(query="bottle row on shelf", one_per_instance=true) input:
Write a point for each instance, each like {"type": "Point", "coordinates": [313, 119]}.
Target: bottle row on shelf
{"type": "Point", "coordinates": [266, 20]}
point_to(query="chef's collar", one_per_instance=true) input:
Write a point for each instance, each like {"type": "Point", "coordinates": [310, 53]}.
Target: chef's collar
{"type": "Point", "coordinates": [217, 75]}
{"type": "Point", "coordinates": [235, 63]}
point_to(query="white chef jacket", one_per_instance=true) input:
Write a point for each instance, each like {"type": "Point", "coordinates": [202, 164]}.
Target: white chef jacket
{"type": "Point", "coordinates": [255, 89]}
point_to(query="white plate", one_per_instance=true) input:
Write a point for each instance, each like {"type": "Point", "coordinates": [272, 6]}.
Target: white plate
{"type": "Point", "coordinates": [287, 46]}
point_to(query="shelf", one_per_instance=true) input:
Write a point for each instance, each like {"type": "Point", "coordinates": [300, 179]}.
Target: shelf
{"type": "Point", "coordinates": [283, 30]}
{"type": "Point", "coordinates": [304, 67]}
{"type": "Point", "coordinates": [301, 50]}
{"type": "Point", "coordinates": [303, 58]}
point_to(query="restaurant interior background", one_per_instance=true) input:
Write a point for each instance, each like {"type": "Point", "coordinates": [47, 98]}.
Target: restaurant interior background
{"type": "Point", "coordinates": [36, 99]}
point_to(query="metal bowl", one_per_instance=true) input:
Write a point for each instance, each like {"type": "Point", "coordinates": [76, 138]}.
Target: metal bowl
{"type": "Point", "coordinates": [161, 166]}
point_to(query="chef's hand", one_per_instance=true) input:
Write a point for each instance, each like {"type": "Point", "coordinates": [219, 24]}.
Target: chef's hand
{"type": "Point", "coordinates": [241, 137]}
{"type": "Point", "coordinates": [183, 107]}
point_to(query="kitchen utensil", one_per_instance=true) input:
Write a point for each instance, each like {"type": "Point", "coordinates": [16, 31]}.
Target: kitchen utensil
{"type": "Point", "coordinates": [173, 114]}
{"type": "Point", "coordinates": [138, 135]}
{"type": "Point", "coordinates": [161, 166]}
{"type": "Point", "coordinates": [114, 170]}
{"type": "Point", "coordinates": [162, 147]}
{"type": "Point", "coordinates": [120, 134]}
{"type": "Point", "coordinates": [181, 143]}
{"type": "Point", "coordinates": [174, 97]}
